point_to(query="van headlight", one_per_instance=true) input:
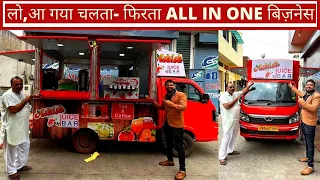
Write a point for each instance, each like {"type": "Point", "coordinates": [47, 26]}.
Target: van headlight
{"type": "Point", "coordinates": [294, 118]}
{"type": "Point", "coordinates": [244, 117]}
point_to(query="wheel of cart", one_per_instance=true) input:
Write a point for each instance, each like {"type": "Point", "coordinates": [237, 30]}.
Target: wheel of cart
{"type": "Point", "coordinates": [85, 141]}
{"type": "Point", "coordinates": [188, 142]}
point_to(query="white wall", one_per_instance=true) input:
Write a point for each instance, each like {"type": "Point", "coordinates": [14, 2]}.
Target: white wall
{"type": "Point", "coordinates": [11, 67]}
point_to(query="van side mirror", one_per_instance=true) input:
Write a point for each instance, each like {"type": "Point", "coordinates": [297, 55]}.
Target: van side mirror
{"type": "Point", "coordinates": [205, 97]}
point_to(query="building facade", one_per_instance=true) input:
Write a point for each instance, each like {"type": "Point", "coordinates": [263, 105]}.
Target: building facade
{"type": "Point", "coordinates": [11, 67]}
{"type": "Point", "coordinates": [207, 55]}
{"type": "Point", "coordinates": [305, 44]}
{"type": "Point", "coordinates": [230, 55]}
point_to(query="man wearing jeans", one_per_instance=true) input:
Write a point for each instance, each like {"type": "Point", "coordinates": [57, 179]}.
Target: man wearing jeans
{"type": "Point", "coordinates": [174, 103]}
{"type": "Point", "coordinates": [309, 102]}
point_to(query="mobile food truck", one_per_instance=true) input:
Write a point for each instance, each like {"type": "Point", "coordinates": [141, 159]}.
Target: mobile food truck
{"type": "Point", "coordinates": [96, 88]}
{"type": "Point", "coordinates": [270, 110]}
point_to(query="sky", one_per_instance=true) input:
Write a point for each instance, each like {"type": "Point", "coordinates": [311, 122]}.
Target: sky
{"type": "Point", "coordinates": [274, 43]}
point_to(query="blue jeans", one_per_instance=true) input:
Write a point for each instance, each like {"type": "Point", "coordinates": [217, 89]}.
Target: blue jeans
{"type": "Point", "coordinates": [309, 133]}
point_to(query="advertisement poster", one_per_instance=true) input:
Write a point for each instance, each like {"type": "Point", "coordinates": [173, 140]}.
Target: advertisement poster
{"type": "Point", "coordinates": [272, 69]}
{"type": "Point", "coordinates": [104, 130]}
{"type": "Point", "coordinates": [170, 63]}
{"type": "Point", "coordinates": [206, 71]}
{"type": "Point", "coordinates": [123, 111]}
{"type": "Point", "coordinates": [142, 129]}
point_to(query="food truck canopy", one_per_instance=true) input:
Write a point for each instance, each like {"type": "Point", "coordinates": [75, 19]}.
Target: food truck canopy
{"type": "Point", "coordinates": [27, 56]}
{"type": "Point", "coordinates": [238, 70]}
{"type": "Point", "coordinates": [61, 47]}
{"type": "Point", "coordinates": [307, 71]}
{"type": "Point", "coordinates": [75, 49]}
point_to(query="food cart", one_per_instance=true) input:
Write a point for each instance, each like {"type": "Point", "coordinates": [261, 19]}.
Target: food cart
{"type": "Point", "coordinates": [95, 87]}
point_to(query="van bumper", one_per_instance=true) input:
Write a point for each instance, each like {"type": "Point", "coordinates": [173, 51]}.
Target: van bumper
{"type": "Point", "coordinates": [286, 132]}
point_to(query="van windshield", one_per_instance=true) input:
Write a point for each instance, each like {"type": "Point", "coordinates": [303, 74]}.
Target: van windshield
{"type": "Point", "coordinates": [270, 94]}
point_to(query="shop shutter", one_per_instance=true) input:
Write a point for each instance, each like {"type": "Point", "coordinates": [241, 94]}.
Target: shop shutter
{"type": "Point", "coordinates": [313, 58]}
{"type": "Point", "coordinates": [183, 47]}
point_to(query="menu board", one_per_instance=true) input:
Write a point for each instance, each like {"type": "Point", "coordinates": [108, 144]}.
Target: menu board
{"type": "Point", "coordinates": [272, 69]}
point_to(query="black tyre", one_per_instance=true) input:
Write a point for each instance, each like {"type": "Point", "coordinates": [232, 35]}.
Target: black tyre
{"type": "Point", "coordinates": [85, 141]}
{"type": "Point", "coordinates": [187, 145]}
{"type": "Point", "coordinates": [188, 142]}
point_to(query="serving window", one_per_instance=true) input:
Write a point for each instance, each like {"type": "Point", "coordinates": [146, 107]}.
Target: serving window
{"type": "Point", "coordinates": [125, 69]}
{"type": "Point", "coordinates": [65, 65]}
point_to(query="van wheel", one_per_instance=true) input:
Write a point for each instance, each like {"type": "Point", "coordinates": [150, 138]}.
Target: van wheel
{"type": "Point", "coordinates": [187, 145]}
{"type": "Point", "coordinates": [85, 141]}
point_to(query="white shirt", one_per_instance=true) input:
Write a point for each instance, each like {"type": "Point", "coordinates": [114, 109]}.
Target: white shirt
{"type": "Point", "coordinates": [229, 116]}
{"type": "Point", "coordinates": [16, 125]}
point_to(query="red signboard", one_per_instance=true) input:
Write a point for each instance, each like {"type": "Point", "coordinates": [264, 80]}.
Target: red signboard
{"type": "Point", "coordinates": [124, 111]}
{"type": "Point", "coordinates": [166, 14]}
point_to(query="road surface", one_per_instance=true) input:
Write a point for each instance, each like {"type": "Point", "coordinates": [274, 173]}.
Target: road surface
{"type": "Point", "coordinates": [52, 160]}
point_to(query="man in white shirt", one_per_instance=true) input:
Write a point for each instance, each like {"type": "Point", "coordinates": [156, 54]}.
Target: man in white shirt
{"type": "Point", "coordinates": [15, 111]}
{"type": "Point", "coordinates": [230, 114]}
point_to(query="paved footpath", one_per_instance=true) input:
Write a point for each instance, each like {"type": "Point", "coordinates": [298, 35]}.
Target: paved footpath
{"type": "Point", "coordinates": [51, 160]}
{"type": "Point", "coordinates": [267, 160]}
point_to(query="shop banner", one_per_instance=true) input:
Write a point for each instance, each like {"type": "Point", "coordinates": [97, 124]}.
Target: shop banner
{"type": "Point", "coordinates": [170, 64]}
{"type": "Point", "coordinates": [272, 69]}
{"type": "Point", "coordinates": [183, 15]}
{"type": "Point", "coordinates": [208, 80]}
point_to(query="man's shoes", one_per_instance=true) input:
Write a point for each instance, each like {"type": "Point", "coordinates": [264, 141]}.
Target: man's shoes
{"type": "Point", "coordinates": [14, 176]}
{"type": "Point", "coordinates": [166, 163]}
{"type": "Point", "coordinates": [308, 170]}
{"type": "Point", "coordinates": [223, 162]}
{"type": "Point", "coordinates": [303, 159]}
{"type": "Point", "coordinates": [25, 168]}
{"type": "Point", "coordinates": [180, 175]}
{"type": "Point", "coordinates": [234, 153]}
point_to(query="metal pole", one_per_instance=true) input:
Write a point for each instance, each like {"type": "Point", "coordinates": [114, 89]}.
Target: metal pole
{"type": "Point", "coordinates": [37, 70]}
{"type": "Point", "coordinates": [93, 72]}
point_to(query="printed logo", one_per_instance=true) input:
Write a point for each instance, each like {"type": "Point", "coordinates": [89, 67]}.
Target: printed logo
{"type": "Point", "coordinates": [49, 111]}
{"type": "Point", "coordinates": [197, 75]}
{"type": "Point", "coordinates": [211, 62]}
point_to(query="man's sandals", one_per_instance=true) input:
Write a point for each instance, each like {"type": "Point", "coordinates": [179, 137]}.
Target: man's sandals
{"type": "Point", "coordinates": [223, 162]}
{"type": "Point", "coordinates": [25, 168]}
{"type": "Point", "coordinates": [234, 153]}
{"type": "Point", "coordinates": [16, 176]}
